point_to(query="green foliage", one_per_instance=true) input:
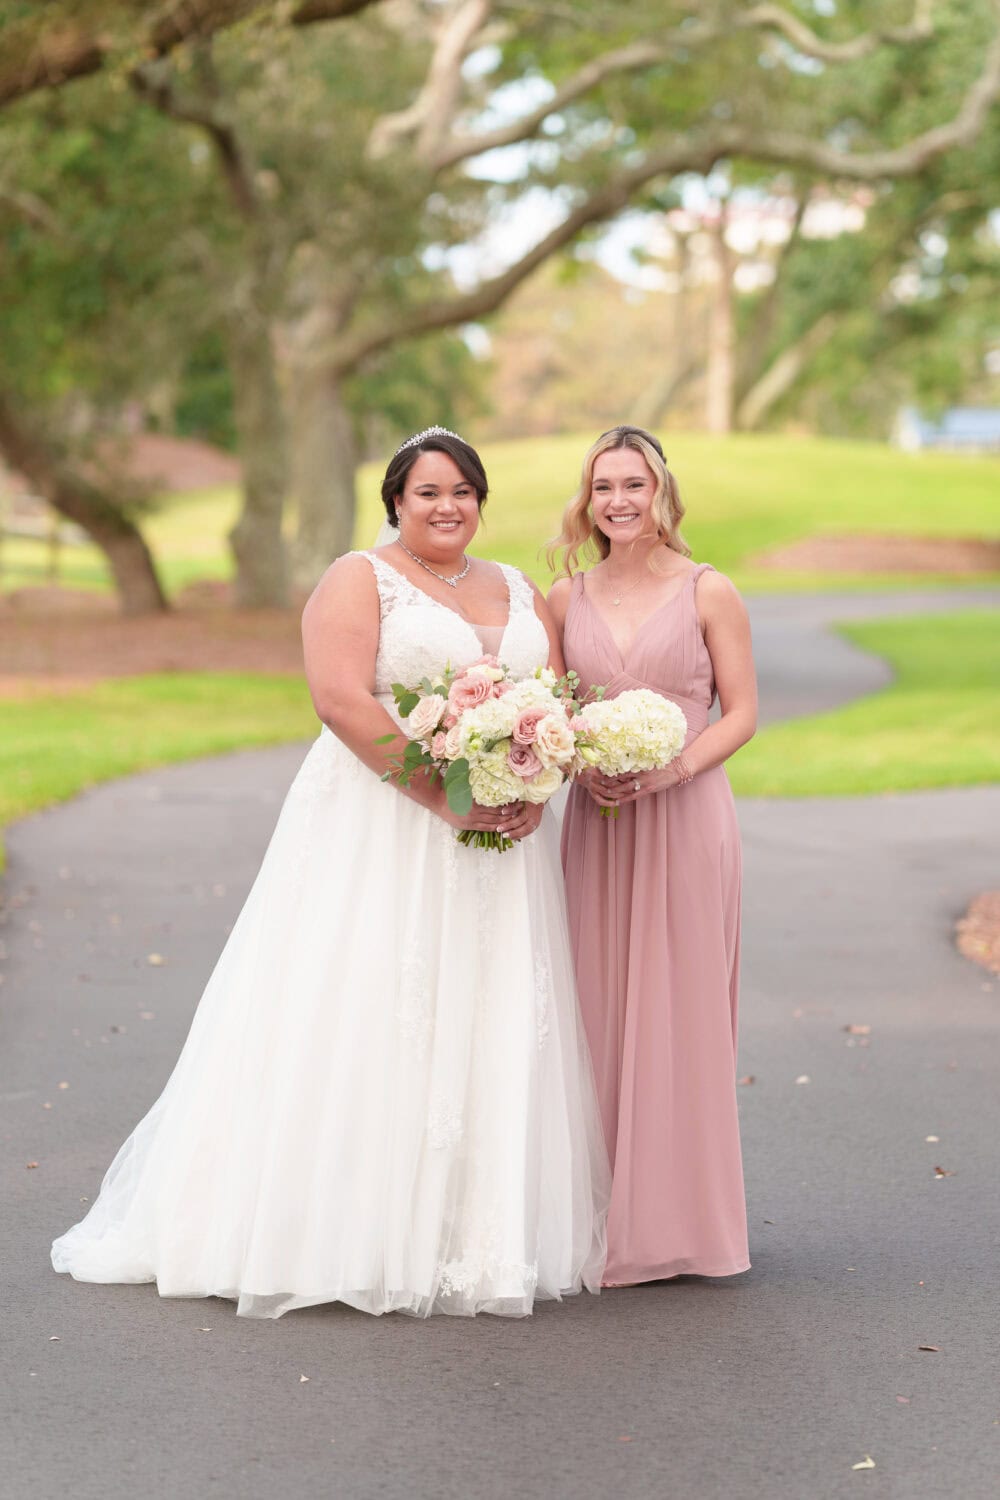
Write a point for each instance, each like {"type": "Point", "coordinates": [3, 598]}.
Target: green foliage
{"type": "Point", "coordinates": [934, 726]}
{"type": "Point", "coordinates": [204, 404]}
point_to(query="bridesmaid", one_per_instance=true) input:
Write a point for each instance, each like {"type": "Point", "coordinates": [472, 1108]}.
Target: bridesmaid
{"type": "Point", "coordinates": [654, 895]}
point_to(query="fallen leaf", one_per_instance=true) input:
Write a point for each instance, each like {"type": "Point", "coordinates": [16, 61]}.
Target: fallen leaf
{"type": "Point", "coordinates": [866, 1463]}
{"type": "Point", "coordinates": [858, 1031]}
{"type": "Point", "coordinates": [47, 1104]}
{"type": "Point", "coordinates": [930, 1348]}
{"type": "Point", "coordinates": [64, 1085]}
{"type": "Point", "coordinates": [624, 1438]}
{"type": "Point", "coordinates": [803, 1078]}
{"type": "Point", "coordinates": [749, 1078]}
{"type": "Point", "coordinates": [903, 1400]}
{"type": "Point", "coordinates": [769, 1221]}
{"type": "Point", "coordinates": [932, 1138]}
{"type": "Point", "coordinates": [156, 959]}
{"type": "Point", "coordinates": [54, 1338]}
{"type": "Point", "coordinates": [942, 1172]}
{"type": "Point", "coordinates": [303, 1380]}
{"type": "Point", "coordinates": [204, 1330]}
{"type": "Point", "coordinates": [31, 1164]}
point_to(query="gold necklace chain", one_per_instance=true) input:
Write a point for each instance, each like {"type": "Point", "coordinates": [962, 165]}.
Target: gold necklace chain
{"type": "Point", "coordinates": [619, 594]}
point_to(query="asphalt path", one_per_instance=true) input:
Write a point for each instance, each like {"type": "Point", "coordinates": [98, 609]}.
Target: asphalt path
{"type": "Point", "coordinates": [776, 1383]}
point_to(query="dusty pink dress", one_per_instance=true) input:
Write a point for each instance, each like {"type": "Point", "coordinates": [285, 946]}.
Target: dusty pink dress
{"type": "Point", "coordinates": [654, 911]}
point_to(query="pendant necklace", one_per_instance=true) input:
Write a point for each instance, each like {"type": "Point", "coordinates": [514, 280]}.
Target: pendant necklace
{"type": "Point", "coordinates": [619, 594]}
{"type": "Point", "coordinates": [451, 582]}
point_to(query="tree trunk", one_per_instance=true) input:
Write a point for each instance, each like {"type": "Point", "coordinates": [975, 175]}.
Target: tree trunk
{"type": "Point", "coordinates": [256, 539]}
{"type": "Point", "coordinates": [721, 368]}
{"type": "Point", "coordinates": [652, 406]}
{"type": "Point", "coordinates": [323, 476]}
{"type": "Point", "coordinates": [109, 528]}
{"type": "Point", "coordinates": [780, 376]}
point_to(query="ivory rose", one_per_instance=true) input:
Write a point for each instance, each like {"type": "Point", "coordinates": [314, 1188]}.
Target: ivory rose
{"type": "Point", "coordinates": [543, 786]}
{"type": "Point", "coordinates": [426, 715]}
{"type": "Point", "coordinates": [555, 743]}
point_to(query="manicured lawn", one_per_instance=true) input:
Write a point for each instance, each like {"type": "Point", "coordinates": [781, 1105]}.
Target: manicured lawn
{"type": "Point", "coordinates": [55, 746]}
{"type": "Point", "coordinates": [744, 495]}
{"type": "Point", "coordinates": [936, 725]}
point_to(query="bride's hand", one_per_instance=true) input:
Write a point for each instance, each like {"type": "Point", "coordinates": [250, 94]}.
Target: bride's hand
{"type": "Point", "coordinates": [523, 818]}
{"type": "Point", "coordinates": [509, 820]}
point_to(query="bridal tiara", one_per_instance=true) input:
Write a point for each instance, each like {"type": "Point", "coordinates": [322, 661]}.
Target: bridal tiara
{"type": "Point", "coordinates": [418, 437]}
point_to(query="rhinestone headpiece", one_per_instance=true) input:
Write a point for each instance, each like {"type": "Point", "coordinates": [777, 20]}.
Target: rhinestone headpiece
{"type": "Point", "coordinates": [418, 437]}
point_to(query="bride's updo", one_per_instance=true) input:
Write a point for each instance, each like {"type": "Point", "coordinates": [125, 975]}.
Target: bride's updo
{"type": "Point", "coordinates": [434, 440]}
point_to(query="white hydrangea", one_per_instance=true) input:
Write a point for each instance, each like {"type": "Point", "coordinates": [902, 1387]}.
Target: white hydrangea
{"type": "Point", "coordinates": [492, 781]}
{"type": "Point", "coordinates": [533, 692]}
{"type": "Point", "coordinates": [487, 722]}
{"type": "Point", "coordinates": [637, 731]}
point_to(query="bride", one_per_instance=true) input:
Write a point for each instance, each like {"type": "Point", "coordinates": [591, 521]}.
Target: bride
{"type": "Point", "coordinates": [385, 1097]}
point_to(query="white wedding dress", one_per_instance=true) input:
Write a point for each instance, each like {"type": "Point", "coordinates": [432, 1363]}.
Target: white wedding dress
{"type": "Point", "coordinates": [385, 1098]}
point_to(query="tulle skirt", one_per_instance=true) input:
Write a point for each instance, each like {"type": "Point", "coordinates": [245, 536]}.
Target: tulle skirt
{"type": "Point", "coordinates": [385, 1097]}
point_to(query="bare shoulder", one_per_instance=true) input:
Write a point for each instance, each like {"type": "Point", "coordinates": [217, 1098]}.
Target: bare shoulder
{"type": "Point", "coordinates": [718, 597]}
{"type": "Point", "coordinates": [348, 584]}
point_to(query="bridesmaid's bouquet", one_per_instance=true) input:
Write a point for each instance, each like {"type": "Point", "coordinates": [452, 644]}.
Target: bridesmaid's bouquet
{"type": "Point", "coordinates": [637, 731]}
{"type": "Point", "coordinates": [490, 738]}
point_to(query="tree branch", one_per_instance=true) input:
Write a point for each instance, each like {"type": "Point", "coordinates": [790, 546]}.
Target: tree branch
{"type": "Point", "coordinates": [155, 83]}
{"type": "Point", "coordinates": [806, 41]}
{"type": "Point", "coordinates": [46, 53]}
{"type": "Point", "coordinates": [630, 59]}
{"type": "Point", "coordinates": [648, 53]}
{"type": "Point", "coordinates": [431, 113]}
{"type": "Point", "coordinates": [695, 152]}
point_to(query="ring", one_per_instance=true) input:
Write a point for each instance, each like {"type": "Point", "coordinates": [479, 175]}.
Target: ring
{"type": "Point", "coordinates": [637, 786]}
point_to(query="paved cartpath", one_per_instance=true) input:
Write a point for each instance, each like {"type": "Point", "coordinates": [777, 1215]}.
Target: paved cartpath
{"type": "Point", "coordinates": [768, 1385]}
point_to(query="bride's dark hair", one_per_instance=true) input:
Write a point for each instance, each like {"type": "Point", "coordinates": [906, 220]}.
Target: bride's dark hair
{"type": "Point", "coordinates": [457, 449]}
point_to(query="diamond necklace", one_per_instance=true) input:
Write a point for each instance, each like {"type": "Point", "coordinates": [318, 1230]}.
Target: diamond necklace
{"type": "Point", "coordinates": [451, 582]}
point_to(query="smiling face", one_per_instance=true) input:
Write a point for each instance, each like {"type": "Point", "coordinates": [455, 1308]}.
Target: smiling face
{"type": "Point", "coordinates": [438, 509]}
{"type": "Point", "coordinates": [622, 491]}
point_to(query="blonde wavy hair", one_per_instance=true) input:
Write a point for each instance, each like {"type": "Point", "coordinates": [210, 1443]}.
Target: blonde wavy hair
{"type": "Point", "coordinates": [581, 540]}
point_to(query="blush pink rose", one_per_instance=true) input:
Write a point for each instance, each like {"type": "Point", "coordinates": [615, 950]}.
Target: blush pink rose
{"type": "Point", "coordinates": [526, 725]}
{"type": "Point", "coordinates": [468, 691]}
{"type": "Point", "coordinates": [523, 761]}
{"type": "Point", "coordinates": [438, 744]}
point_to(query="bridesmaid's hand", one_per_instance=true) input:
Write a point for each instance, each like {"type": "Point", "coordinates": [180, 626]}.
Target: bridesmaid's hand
{"type": "Point", "coordinates": [616, 791]}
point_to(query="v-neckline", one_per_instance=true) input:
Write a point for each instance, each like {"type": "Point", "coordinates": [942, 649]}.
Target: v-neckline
{"type": "Point", "coordinates": [623, 656]}
{"type": "Point", "coordinates": [471, 624]}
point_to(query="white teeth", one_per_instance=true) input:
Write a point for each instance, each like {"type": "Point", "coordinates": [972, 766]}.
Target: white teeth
{"type": "Point", "coordinates": [622, 520]}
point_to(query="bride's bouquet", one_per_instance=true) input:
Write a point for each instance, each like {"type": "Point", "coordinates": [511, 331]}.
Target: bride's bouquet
{"type": "Point", "coordinates": [637, 731]}
{"type": "Point", "coordinates": [490, 738]}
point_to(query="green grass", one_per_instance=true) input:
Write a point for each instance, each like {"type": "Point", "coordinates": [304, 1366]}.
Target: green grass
{"type": "Point", "coordinates": [936, 725]}
{"type": "Point", "coordinates": [55, 746]}
{"type": "Point", "coordinates": [744, 495]}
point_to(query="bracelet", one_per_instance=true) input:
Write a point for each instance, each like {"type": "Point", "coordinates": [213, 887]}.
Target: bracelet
{"type": "Point", "coordinates": [686, 774]}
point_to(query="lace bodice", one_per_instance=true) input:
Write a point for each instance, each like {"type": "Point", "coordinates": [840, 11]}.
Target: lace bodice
{"type": "Point", "coordinates": [418, 635]}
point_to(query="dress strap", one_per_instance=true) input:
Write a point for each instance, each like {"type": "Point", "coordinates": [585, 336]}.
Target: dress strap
{"type": "Point", "coordinates": [393, 588]}
{"type": "Point", "coordinates": [522, 596]}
